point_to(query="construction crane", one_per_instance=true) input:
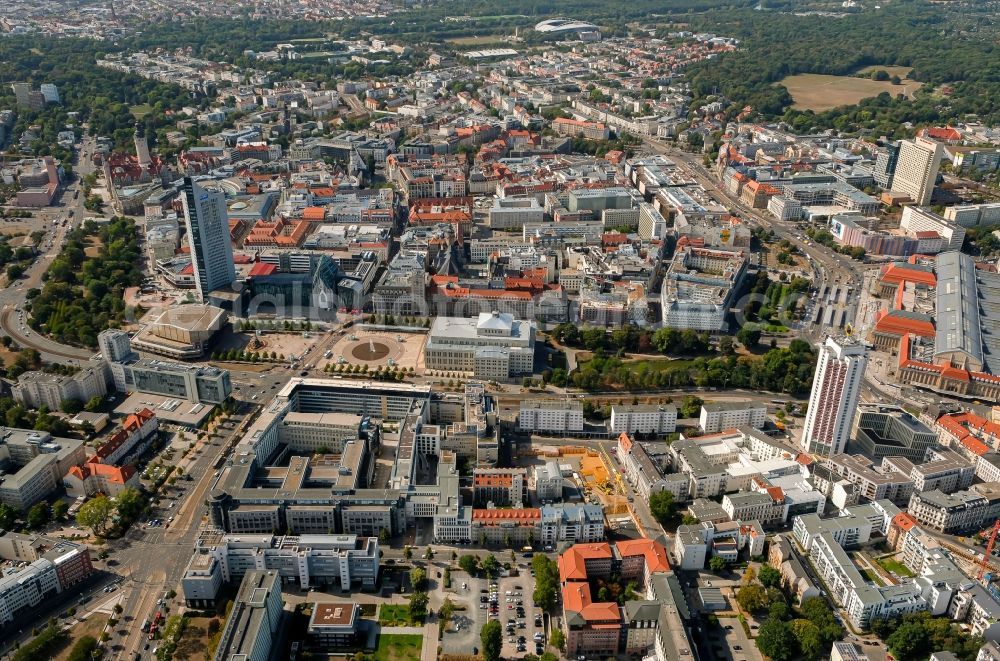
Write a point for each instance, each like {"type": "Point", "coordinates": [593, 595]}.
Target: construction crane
{"type": "Point", "coordinates": [984, 564]}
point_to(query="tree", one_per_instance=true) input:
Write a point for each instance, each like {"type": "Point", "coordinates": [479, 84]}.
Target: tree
{"type": "Point", "coordinates": [39, 515]}
{"type": "Point", "coordinates": [59, 510]}
{"type": "Point", "coordinates": [429, 554]}
{"type": "Point", "coordinates": [769, 576]}
{"type": "Point", "coordinates": [383, 536]}
{"type": "Point", "coordinates": [418, 605]}
{"type": "Point", "coordinates": [910, 641]}
{"type": "Point", "coordinates": [95, 514]}
{"type": "Point", "coordinates": [418, 578]}
{"type": "Point", "coordinates": [776, 640]}
{"type": "Point", "coordinates": [546, 582]}
{"type": "Point", "coordinates": [748, 576]}
{"type": "Point", "coordinates": [129, 503]}
{"type": "Point", "coordinates": [661, 506]}
{"type": "Point", "coordinates": [446, 611]}
{"type": "Point", "coordinates": [749, 336]}
{"type": "Point", "coordinates": [716, 564]}
{"type": "Point", "coordinates": [491, 566]}
{"type": "Point", "coordinates": [8, 515]}
{"type": "Point", "coordinates": [407, 552]}
{"type": "Point", "coordinates": [469, 564]}
{"type": "Point", "coordinates": [71, 406]}
{"type": "Point", "coordinates": [491, 637]}
{"type": "Point", "coordinates": [809, 639]}
{"type": "Point", "coordinates": [752, 598]}
{"type": "Point", "coordinates": [557, 639]}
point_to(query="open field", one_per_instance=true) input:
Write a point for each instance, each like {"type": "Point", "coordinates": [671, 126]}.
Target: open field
{"type": "Point", "coordinates": [820, 92]}
{"type": "Point", "coordinates": [195, 639]}
{"type": "Point", "coordinates": [478, 41]}
{"type": "Point", "coordinates": [399, 647]}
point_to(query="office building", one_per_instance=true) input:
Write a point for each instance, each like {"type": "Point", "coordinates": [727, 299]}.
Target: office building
{"type": "Point", "coordinates": [208, 236]}
{"type": "Point", "coordinates": [513, 213]}
{"type": "Point", "coordinates": [716, 416]}
{"type": "Point", "coordinates": [254, 619]}
{"type": "Point", "coordinates": [194, 383]}
{"type": "Point", "coordinates": [917, 222]}
{"type": "Point", "coordinates": [917, 169]}
{"type": "Point", "coordinates": [699, 287]}
{"type": "Point", "coordinates": [550, 415]}
{"type": "Point", "coordinates": [885, 165]}
{"type": "Point", "coordinates": [834, 396]}
{"type": "Point", "coordinates": [334, 625]}
{"type": "Point", "coordinates": [889, 431]}
{"type": "Point", "coordinates": [493, 346]}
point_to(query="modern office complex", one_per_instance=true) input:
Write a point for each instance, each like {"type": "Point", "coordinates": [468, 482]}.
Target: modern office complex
{"type": "Point", "coordinates": [208, 236]}
{"type": "Point", "coordinates": [194, 383]}
{"type": "Point", "coordinates": [889, 431]}
{"type": "Point", "coordinates": [33, 463]}
{"type": "Point", "coordinates": [834, 397]}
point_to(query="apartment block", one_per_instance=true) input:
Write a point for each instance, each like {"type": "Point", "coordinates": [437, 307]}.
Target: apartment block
{"type": "Point", "coordinates": [716, 416]}
{"type": "Point", "coordinates": [254, 619]}
{"type": "Point", "coordinates": [961, 511]}
{"type": "Point", "coordinates": [647, 419]}
{"type": "Point", "coordinates": [551, 415]}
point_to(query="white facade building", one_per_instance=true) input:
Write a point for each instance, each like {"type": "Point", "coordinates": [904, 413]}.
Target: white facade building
{"type": "Point", "coordinates": [551, 415]}
{"type": "Point", "coordinates": [917, 168]}
{"type": "Point", "coordinates": [834, 397]}
{"type": "Point", "coordinates": [643, 419]}
{"type": "Point", "coordinates": [493, 346]}
{"type": "Point", "coordinates": [716, 416]}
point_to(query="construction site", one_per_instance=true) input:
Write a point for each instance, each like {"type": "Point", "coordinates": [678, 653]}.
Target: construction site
{"type": "Point", "coordinates": [592, 472]}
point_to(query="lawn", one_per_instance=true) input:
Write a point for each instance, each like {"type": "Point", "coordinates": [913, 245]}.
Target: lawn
{"type": "Point", "coordinates": [140, 110]}
{"type": "Point", "coordinates": [820, 92]}
{"type": "Point", "coordinates": [394, 615]}
{"type": "Point", "coordinates": [652, 365]}
{"type": "Point", "coordinates": [399, 647]}
{"type": "Point", "coordinates": [895, 566]}
{"type": "Point", "coordinates": [872, 576]}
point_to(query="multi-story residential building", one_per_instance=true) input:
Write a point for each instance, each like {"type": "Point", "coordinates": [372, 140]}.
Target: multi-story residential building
{"type": "Point", "coordinates": [962, 511]}
{"type": "Point", "coordinates": [551, 415]}
{"type": "Point", "coordinates": [59, 568]}
{"type": "Point", "coordinates": [500, 486]}
{"type": "Point", "coordinates": [885, 165]}
{"type": "Point", "coordinates": [601, 628]}
{"type": "Point", "coordinates": [916, 220]}
{"type": "Point", "coordinates": [208, 236]}
{"type": "Point", "coordinates": [644, 474]}
{"type": "Point", "coordinates": [254, 619]}
{"type": "Point", "coordinates": [754, 506]}
{"type": "Point", "coordinates": [34, 463]}
{"type": "Point", "coordinates": [882, 482]}
{"type": "Point", "coordinates": [834, 396]}
{"type": "Point", "coordinates": [492, 346]}
{"type": "Point", "coordinates": [567, 522]}
{"type": "Point", "coordinates": [574, 127]}
{"type": "Point", "coordinates": [716, 416]}
{"type": "Point", "coordinates": [917, 168]}
{"type": "Point", "coordinates": [548, 482]}
{"type": "Point", "coordinates": [943, 470]}
{"type": "Point", "coordinates": [643, 419]}
{"type": "Point", "coordinates": [695, 544]}
{"type": "Point", "coordinates": [37, 389]}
